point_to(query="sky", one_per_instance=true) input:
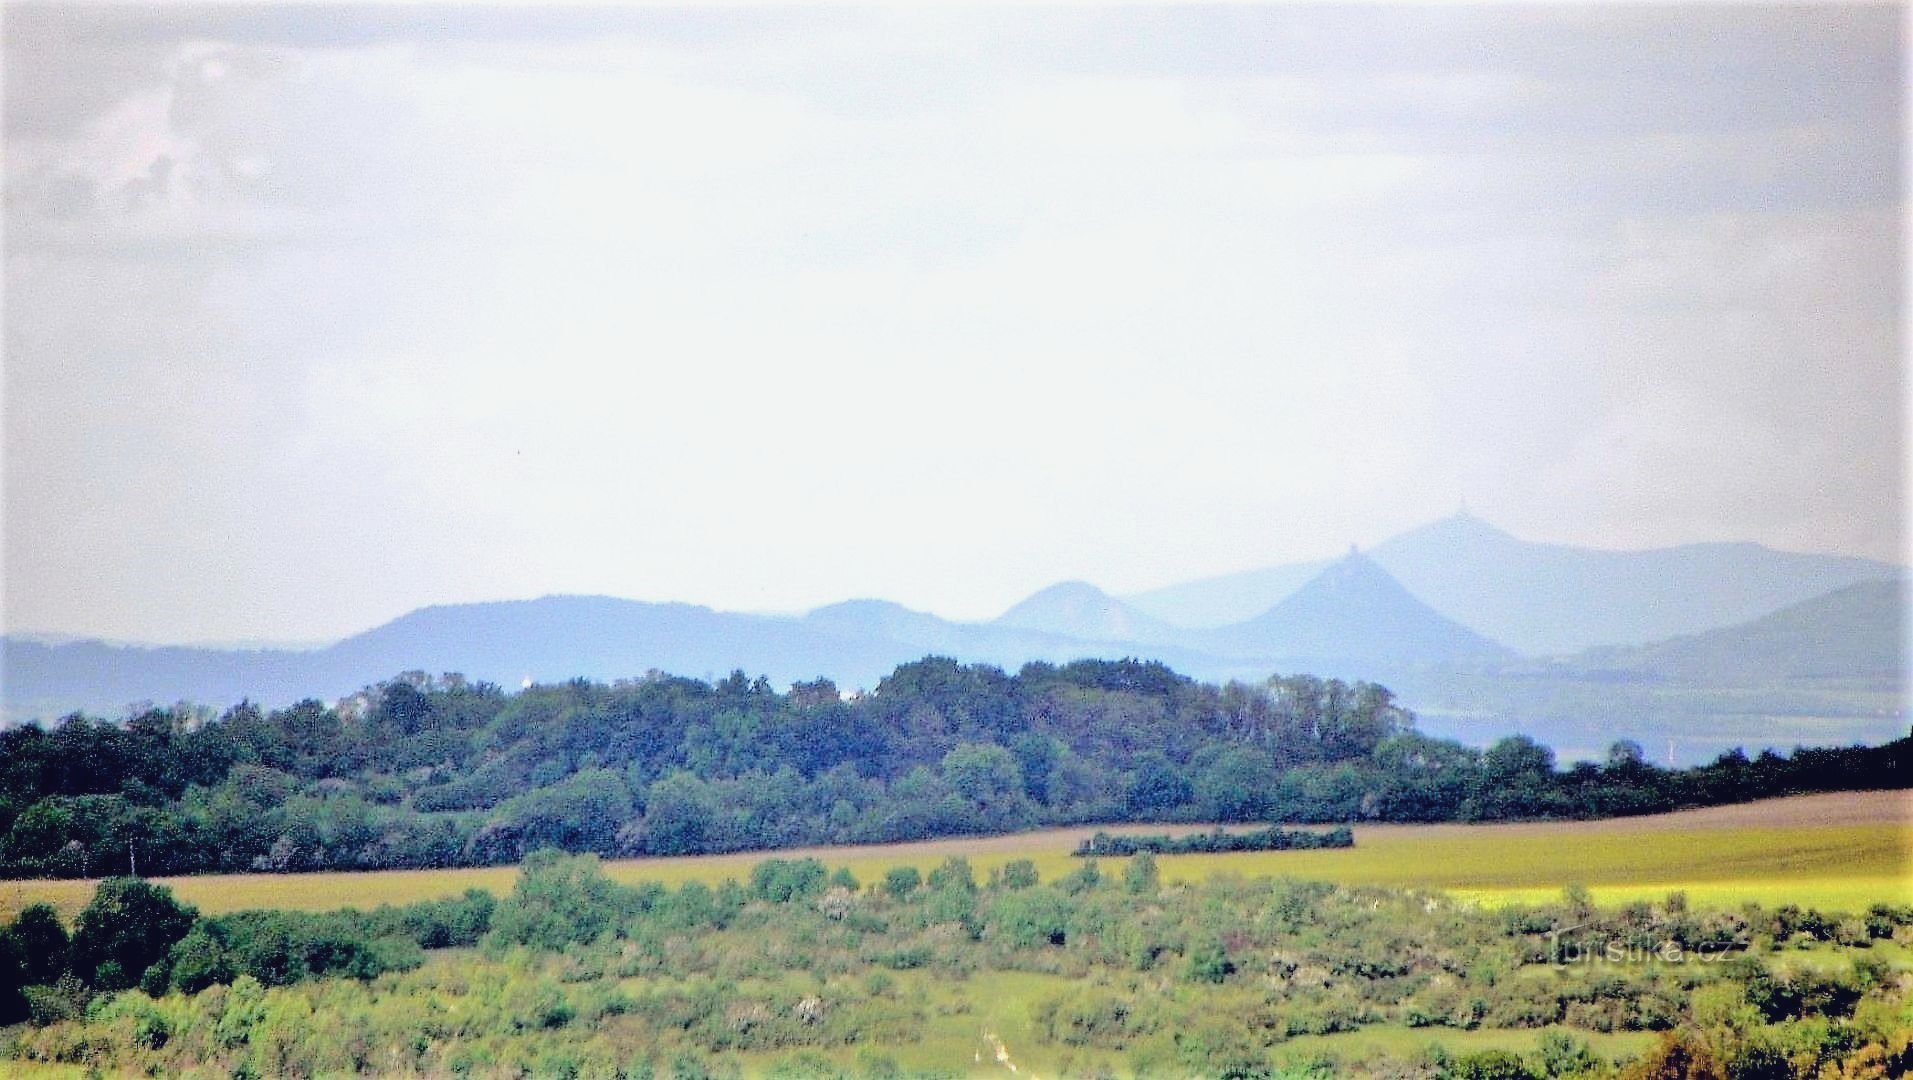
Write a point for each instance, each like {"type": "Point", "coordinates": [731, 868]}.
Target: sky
{"type": "Point", "coordinates": [317, 315]}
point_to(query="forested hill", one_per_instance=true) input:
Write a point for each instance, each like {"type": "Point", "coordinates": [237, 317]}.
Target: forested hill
{"type": "Point", "coordinates": [425, 772]}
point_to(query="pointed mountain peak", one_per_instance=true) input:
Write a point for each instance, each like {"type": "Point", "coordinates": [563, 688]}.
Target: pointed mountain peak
{"type": "Point", "coordinates": [1354, 566]}
{"type": "Point", "coordinates": [1356, 611]}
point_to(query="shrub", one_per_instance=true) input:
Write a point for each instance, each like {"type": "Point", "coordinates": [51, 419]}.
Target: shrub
{"type": "Point", "coordinates": [127, 927]}
{"type": "Point", "coordinates": [1140, 877]}
{"type": "Point", "coordinates": [1027, 918]}
{"type": "Point", "coordinates": [901, 881]}
{"type": "Point", "coordinates": [780, 881]}
{"type": "Point", "coordinates": [558, 900]}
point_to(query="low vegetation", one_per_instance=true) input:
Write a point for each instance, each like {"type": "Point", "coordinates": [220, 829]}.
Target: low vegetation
{"type": "Point", "coordinates": [1217, 842]}
{"type": "Point", "coordinates": [800, 971]}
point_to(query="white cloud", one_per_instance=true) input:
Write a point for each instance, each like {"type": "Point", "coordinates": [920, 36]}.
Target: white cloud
{"type": "Point", "coordinates": [303, 332]}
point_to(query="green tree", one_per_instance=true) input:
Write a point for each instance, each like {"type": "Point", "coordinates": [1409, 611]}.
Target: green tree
{"type": "Point", "coordinates": [781, 881]}
{"type": "Point", "coordinates": [899, 882]}
{"type": "Point", "coordinates": [1156, 787]}
{"type": "Point", "coordinates": [1028, 918]}
{"type": "Point", "coordinates": [678, 812]}
{"type": "Point", "coordinates": [43, 942]}
{"type": "Point", "coordinates": [1140, 877]}
{"type": "Point", "coordinates": [199, 960]}
{"type": "Point", "coordinates": [1019, 874]}
{"type": "Point", "coordinates": [1235, 785]}
{"type": "Point", "coordinates": [559, 901]}
{"type": "Point", "coordinates": [127, 927]}
{"type": "Point", "coordinates": [1208, 961]}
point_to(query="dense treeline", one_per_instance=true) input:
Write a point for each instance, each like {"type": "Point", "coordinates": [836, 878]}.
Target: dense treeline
{"type": "Point", "coordinates": [1273, 838]}
{"type": "Point", "coordinates": [577, 975]}
{"type": "Point", "coordinates": [438, 772]}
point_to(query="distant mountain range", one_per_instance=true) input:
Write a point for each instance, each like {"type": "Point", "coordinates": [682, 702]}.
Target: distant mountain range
{"type": "Point", "coordinates": [1443, 613]}
{"type": "Point", "coordinates": [1547, 599]}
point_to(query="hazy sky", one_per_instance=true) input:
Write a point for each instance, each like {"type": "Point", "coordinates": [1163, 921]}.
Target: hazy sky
{"type": "Point", "coordinates": [314, 315]}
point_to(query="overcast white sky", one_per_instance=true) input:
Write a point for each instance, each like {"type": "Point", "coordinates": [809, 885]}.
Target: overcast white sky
{"type": "Point", "coordinates": [314, 316]}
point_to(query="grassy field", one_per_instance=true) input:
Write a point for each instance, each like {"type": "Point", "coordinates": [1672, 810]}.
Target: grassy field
{"type": "Point", "coordinates": [1836, 852]}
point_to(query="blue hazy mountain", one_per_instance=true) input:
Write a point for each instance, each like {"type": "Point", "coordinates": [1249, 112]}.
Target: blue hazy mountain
{"type": "Point", "coordinates": [1427, 614]}
{"type": "Point", "coordinates": [1223, 601]}
{"type": "Point", "coordinates": [1353, 616]}
{"type": "Point", "coordinates": [1553, 598]}
{"type": "Point", "coordinates": [1856, 635]}
{"type": "Point", "coordinates": [1830, 669]}
{"type": "Point", "coordinates": [553, 638]}
{"type": "Point", "coordinates": [1079, 610]}
{"type": "Point", "coordinates": [854, 643]}
{"type": "Point", "coordinates": [1550, 599]}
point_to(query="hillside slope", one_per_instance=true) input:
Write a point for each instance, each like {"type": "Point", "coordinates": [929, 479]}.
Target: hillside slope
{"type": "Point", "coordinates": [1856, 633]}
{"type": "Point", "coordinates": [1355, 616]}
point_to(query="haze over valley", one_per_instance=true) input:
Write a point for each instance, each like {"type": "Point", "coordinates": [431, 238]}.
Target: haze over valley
{"type": "Point", "coordinates": [1696, 649]}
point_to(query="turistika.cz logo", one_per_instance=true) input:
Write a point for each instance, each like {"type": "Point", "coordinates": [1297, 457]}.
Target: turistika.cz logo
{"type": "Point", "coordinates": [1565, 950]}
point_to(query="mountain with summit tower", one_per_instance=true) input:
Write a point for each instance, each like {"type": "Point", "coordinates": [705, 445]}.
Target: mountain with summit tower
{"type": "Point", "coordinates": [1543, 599]}
{"type": "Point", "coordinates": [1354, 615]}
{"type": "Point", "coordinates": [1470, 625]}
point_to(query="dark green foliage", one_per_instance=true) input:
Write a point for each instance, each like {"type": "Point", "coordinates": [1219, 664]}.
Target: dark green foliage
{"type": "Point", "coordinates": [1157, 789]}
{"type": "Point", "coordinates": [33, 951]}
{"type": "Point", "coordinates": [1269, 839]}
{"type": "Point", "coordinates": [780, 881]}
{"type": "Point", "coordinates": [1234, 784]}
{"type": "Point", "coordinates": [901, 881]}
{"type": "Point", "coordinates": [200, 959]}
{"type": "Point", "coordinates": [559, 900]}
{"type": "Point", "coordinates": [426, 772]}
{"type": "Point", "coordinates": [42, 941]}
{"type": "Point", "coordinates": [1798, 994]}
{"type": "Point", "coordinates": [1025, 918]}
{"type": "Point", "coordinates": [129, 926]}
{"type": "Point", "coordinates": [281, 947]}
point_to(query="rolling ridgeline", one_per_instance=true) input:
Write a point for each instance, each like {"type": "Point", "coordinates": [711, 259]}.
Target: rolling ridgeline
{"type": "Point", "coordinates": [422, 772]}
{"type": "Point", "coordinates": [1711, 646]}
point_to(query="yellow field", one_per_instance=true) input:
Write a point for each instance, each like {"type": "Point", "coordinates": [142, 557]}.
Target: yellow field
{"type": "Point", "coordinates": [1836, 852]}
